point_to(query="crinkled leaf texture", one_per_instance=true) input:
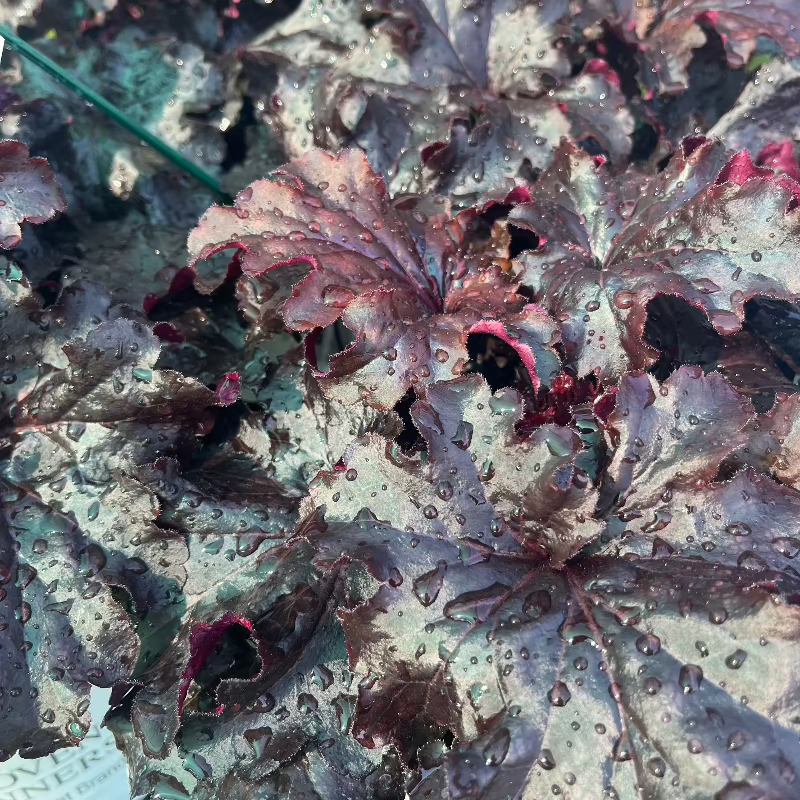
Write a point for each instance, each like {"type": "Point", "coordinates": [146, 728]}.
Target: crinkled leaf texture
{"type": "Point", "coordinates": [29, 191]}
{"type": "Point", "coordinates": [668, 31]}
{"type": "Point", "coordinates": [582, 586]}
{"type": "Point", "coordinates": [62, 630]}
{"type": "Point", "coordinates": [271, 727]}
{"type": "Point", "coordinates": [767, 112]}
{"type": "Point", "coordinates": [711, 228]}
{"type": "Point", "coordinates": [443, 98]}
{"type": "Point", "coordinates": [489, 592]}
{"type": "Point", "coordinates": [79, 534]}
{"type": "Point", "coordinates": [479, 482]}
{"type": "Point", "coordinates": [773, 439]}
{"type": "Point", "coordinates": [601, 675]}
{"type": "Point", "coordinates": [35, 336]}
{"type": "Point", "coordinates": [408, 286]}
{"type": "Point", "coordinates": [302, 431]}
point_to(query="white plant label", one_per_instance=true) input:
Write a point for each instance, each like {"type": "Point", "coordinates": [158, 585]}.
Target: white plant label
{"type": "Point", "coordinates": [94, 771]}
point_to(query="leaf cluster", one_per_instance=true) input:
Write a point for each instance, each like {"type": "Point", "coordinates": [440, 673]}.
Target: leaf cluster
{"type": "Point", "coordinates": [456, 458]}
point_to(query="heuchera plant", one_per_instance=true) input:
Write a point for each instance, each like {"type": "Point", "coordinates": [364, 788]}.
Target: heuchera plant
{"type": "Point", "coordinates": [456, 458]}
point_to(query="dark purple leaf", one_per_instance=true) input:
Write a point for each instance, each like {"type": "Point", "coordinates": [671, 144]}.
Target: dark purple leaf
{"type": "Point", "coordinates": [35, 337]}
{"type": "Point", "coordinates": [750, 367]}
{"type": "Point", "coordinates": [746, 522]}
{"type": "Point", "coordinates": [135, 262]}
{"type": "Point", "coordinates": [676, 434]}
{"type": "Point", "coordinates": [225, 523]}
{"type": "Point", "coordinates": [298, 699]}
{"type": "Point", "coordinates": [602, 257]}
{"type": "Point", "coordinates": [480, 482]}
{"type": "Point", "coordinates": [449, 100]}
{"type": "Point", "coordinates": [353, 569]}
{"type": "Point", "coordinates": [772, 440]}
{"type": "Point", "coordinates": [303, 432]}
{"type": "Point", "coordinates": [767, 111]}
{"type": "Point", "coordinates": [410, 298]}
{"type": "Point", "coordinates": [112, 379]}
{"type": "Point", "coordinates": [28, 191]}
{"type": "Point", "coordinates": [669, 31]}
{"type": "Point", "coordinates": [87, 413]}
{"type": "Point", "coordinates": [553, 675]}
{"type": "Point", "coordinates": [553, 678]}
{"type": "Point", "coordinates": [62, 630]}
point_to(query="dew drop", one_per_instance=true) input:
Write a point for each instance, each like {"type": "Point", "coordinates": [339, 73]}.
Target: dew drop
{"type": "Point", "coordinates": [307, 703]}
{"type": "Point", "coordinates": [787, 546]}
{"type": "Point", "coordinates": [77, 730]}
{"type": "Point", "coordinates": [717, 615]}
{"type": "Point", "coordinates": [463, 437]}
{"type": "Point", "coordinates": [445, 490]}
{"type": "Point", "coordinates": [559, 695]}
{"type": "Point", "coordinates": [648, 644]}
{"type": "Point", "coordinates": [258, 739]}
{"type": "Point", "coordinates": [622, 750]}
{"type": "Point", "coordinates": [736, 659]}
{"type": "Point", "coordinates": [337, 296]}
{"type": "Point", "coordinates": [321, 676]}
{"type": "Point", "coordinates": [39, 546]}
{"type": "Point", "coordinates": [657, 767]}
{"type": "Point", "coordinates": [344, 708]}
{"type": "Point", "coordinates": [537, 603]}
{"type": "Point", "coordinates": [690, 678]}
{"type": "Point", "coordinates": [428, 586]}
{"type": "Point", "coordinates": [546, 760]}
{"type": "Point", "coordinates": [738, 529]}
{"type": "Point", "coordinates": [624, 299]}
{"type": "Point", "coordinates": [652, 685]}
{"type": "Point", "coordinates": [736, 741]}
{"type": "Point", "coordinates": [476, 606]}
{"type": "Point", "coordinates": [496, 749]}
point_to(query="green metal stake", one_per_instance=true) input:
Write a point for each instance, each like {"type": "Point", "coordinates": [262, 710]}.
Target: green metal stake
{"type": "Point", "coordinates": [110, 110]}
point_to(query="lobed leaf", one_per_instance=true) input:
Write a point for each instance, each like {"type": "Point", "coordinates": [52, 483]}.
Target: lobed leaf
{"type": "Point", "coordinates": [411, 297]}
{"type": "Point", "coordinates": [712, 229]}
{"type": "Point", "coordinates": [480, 483]}
{"type": "Point", "coordinates": [765, 112]}
{"type": "Point", "coordinates": [576, 679]}
{"type": "Point", "coordinates": [676, 434]}
{"type": "Point", "coordinates": [81, 544]}
{"type": "Point", "coordinates": [443, 99]}
{"type": "Point", "coordinates": [63, 630]}
{"type": "Point", "coordinates": [29, 191]}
